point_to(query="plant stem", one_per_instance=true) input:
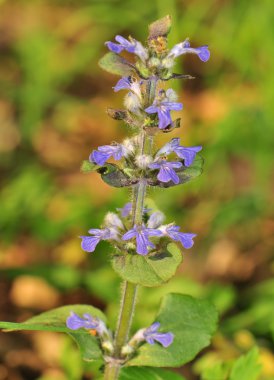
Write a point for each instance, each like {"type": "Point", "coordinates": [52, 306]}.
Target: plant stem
{"type": "Point", "coordinates": [130, 290]}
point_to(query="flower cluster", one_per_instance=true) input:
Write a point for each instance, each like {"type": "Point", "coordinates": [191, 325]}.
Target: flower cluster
{"type": "Point", "coordinates": [149, 335]}
{"type": "Point", "coordinates": [115, 230]}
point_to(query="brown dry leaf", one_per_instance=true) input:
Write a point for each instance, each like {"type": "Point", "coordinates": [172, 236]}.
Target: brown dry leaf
{"type": "Point", "coordinates": [28, 291]}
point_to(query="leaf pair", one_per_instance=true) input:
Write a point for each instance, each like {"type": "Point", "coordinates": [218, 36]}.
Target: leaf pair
{"type": "Point", "coordinates": [191, 321]}
{"type": "Point", "coordinates": [116, 177]}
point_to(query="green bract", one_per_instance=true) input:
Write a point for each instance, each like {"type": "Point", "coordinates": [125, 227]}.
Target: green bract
{"type": "Point", "coordinates": [115, 64]}
{"type": "Point", "coordinates": [148, 374]}
{"type": "Point", "coordinates": [153, 269]}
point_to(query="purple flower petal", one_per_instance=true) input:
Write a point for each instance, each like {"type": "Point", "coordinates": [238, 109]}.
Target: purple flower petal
{"type": "Point", "coordinates": [164, 117]}
{"type": "Point", "coordinates": [89, 243]}
{"type": "Point", "coordinates": [163, 109]}
{"type": "Point", "coordinates": [172, 106]}
{"type": "Point", "coordinates": [167, 172]}
{"type": "Point", "coordinates": [131, 45]}
{"type": "Point", "coordinates": [141, 234]}
{"type": "Point", "coordinates": [129, 235]}
{"type": "Point", "coordinates": [151, 109]}
{"type": "Point", "coordinates": [169, 147]}
{"type": "Point", "coordinates": [98, 157]}
{"type": "Point", "coordinates": [151, 335]}
{"type": "Point", "coordinates": [186, 239]}
{"type": "Point", "coordinates": [74, 322]}
{"type": "Point", "coordinates": [126, 210]}
{"type": "Point", "coordinates": [203, 53]}
{"type": "Point", "coordinates": [104, 152]}
{"type": "Point", "coordinates": [115, 48]}
{"type": "Point", "coordinates": [184, 48]}
{"type": "Point", "coordinates": [188, 154]}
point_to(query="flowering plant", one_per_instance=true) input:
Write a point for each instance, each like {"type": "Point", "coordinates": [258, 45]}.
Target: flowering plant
{"type": "Point", "coordinates": [147, 252]}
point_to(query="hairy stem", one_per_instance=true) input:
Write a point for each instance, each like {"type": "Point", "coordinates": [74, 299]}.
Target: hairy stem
{"type": "Point", "coordinates": [130, 290]}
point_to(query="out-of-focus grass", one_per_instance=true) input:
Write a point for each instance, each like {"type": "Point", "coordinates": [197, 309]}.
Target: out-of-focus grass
{"type": "Point", "coordinates": [52, 114]}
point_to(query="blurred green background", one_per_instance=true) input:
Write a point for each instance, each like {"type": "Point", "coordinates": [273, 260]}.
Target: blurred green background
{"type": "Point", "coordinates": [53, 98]}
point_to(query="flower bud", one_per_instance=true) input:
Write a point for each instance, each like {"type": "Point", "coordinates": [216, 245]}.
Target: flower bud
{"type": "Point", "coordinates": [171, 95]}
{"type": "Point", "coordinates": [155, 220]}
{"type": "Point", "coordinates": [113, 220]}
{"type": "Point", "coordinates": [127, 350]}
{"type": "Point", "coordinates": [108, 347]}
{"type": "Point", "coordinates": [154, 62]}
{"type": "Point", "coordinates": [143, 160]}
{"type": "Point", "coordinates": [129, 145]}
{"type": "Point", "coordinates": [132, 102]}
{"type": "Point", "coordinates": [167, 63]}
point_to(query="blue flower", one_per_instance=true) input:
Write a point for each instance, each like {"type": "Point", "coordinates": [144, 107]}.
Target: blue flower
{"type": "Point", "coordinates": [127, 209]}
{"type": "Point", "coordinates": [188, 154]}
{"type": "Point", "coordinates": [151, 335]}
{"type": "Point", "coordinates": [104, 152]}
{"type": "Point", "coordinates": [163, 109]}
{"type": "Point", "coordinates": [186, 239]}
{"type": "Point", "coordinates": [142, 234]}
{"type": "Point", "coordinates": [155, 219]}
{"type": "Point", "coordinates": [74, 322]}
{"type": "Point", "coordinates": [89, 243]}
{"type": "Point", "coordinates": [128, 83]}
{"type": "Point", "coordinates": [166, 172]}
{"type": "Point", "coordinates": [130, 45]}
{"type": "Point", "coordinates": [184, 47]}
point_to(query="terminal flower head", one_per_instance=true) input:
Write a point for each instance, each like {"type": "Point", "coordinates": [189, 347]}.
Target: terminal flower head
{"type": "Point", "coordinates": [166, 170]}
{"type": "Point", "coordinates": [184, 48]}
{"type": "Point", "coordinates": [89, 243]}
{"type": "Point", "coordinates": [142, 234]}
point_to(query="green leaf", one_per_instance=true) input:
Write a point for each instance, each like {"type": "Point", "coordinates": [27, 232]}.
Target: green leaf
{"type": "Point", "coordinates": [185, 174]}
{"type": "Point", "coordinates": [153, 269]}
{"type": "Point", "coordinates": [192, 322]}
{"type": "Point", "coordinates": [159, 28]}
{"type": "Point", "coordinates": [247, 367]}
{"type": "Point", "coordinates": [139, 373]}
{"type": "Point", "coordinates": [115, 64]}
{"type": "Point", "coordinates": [88, 167]}
{"type": "Point", "coordinates": [114, 176]}
{"type": "Point", "coordinates": [55, 320]}
{"type": "Point", "coordinates": [219, 371]}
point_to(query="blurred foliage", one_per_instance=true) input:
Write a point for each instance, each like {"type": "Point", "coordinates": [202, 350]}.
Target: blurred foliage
{"type": "Point", "coordinates": [53, 98]}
